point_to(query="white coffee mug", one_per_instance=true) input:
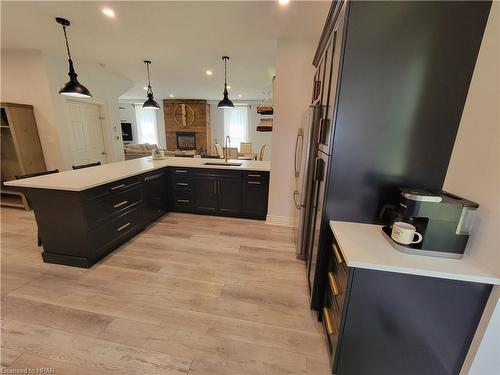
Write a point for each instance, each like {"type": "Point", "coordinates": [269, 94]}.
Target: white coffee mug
{"type": "Point", "coordinates": [404, 233]}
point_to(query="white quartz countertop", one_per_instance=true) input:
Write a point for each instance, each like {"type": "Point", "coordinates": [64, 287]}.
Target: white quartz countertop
{"type": "Point", "coordinates": [82, 179]}
{"type": "Point", "coordinates": [364, 246]}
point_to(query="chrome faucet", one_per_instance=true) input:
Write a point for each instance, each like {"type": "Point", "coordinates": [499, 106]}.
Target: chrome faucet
{"type": "Point", "coordinates": [226, 148]}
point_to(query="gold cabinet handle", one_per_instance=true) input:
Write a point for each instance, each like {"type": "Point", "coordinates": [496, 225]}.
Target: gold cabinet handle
{"type": "Point", "coordinates": [183, 200]}
{"type": "Point", "coordinates": [182, 184]}
{"type": "Point", "coordinates": [327, 318]}
{"type": "Point", "coordinates": [118, 186]}
{"type": "Point", "coordinates": [334, 286]}
{"type": "Point", "coordinates": [254, 182]}
{"type": "Point", "coordinates": [254, 175]}
{"type": "Point", "coordinates": [120, 204]}
{"type": "Point", "coordinates": [338, 254]}
{"type": "Point", "coordinates": [123, 227]}
{"type": "Point", "coordinates": [180, 171]}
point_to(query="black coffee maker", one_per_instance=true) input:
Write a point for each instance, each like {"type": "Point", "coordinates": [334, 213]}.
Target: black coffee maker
{"type": "Point", "coordinates": [444, 220]}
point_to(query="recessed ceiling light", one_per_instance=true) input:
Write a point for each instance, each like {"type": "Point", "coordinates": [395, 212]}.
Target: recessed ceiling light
{"type": "Point", "coordinates": [145, 87]}
{"type": "Point", "coordinates": [108, 12]}
{"type": "Point", "coordinates": [284, 2]}
{"type": "Point", "coordinates": [209, 72]}
{"type": "Point", "coordinates": [239, 95]}
{"type": "Point", "coordinates": [171, 95]}
{"type": "Point", "coordinates": [228, 87]}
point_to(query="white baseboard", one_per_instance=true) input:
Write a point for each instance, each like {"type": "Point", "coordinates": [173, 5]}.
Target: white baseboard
{"type": "Point", "coordinates": [283, 221]}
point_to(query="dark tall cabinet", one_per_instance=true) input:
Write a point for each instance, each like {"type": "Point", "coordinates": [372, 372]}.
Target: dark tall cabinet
{"type": "Point", "coordinates": [394, 106]}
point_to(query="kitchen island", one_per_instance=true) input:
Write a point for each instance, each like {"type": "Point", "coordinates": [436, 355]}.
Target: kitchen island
{"type": "Point", "coordinates": [83, 215]}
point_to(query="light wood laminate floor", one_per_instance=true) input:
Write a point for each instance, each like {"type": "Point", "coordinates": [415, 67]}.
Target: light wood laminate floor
{"type": "Point", "coordinates": [189, 295]}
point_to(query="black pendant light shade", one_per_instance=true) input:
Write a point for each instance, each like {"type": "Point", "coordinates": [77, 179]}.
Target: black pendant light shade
{"type": "Point", "coordinates": [150, 102]}
{"type": "Point", "coordinates": [73, 87]}
{"type": "Point", "coordinates": [225, 102]}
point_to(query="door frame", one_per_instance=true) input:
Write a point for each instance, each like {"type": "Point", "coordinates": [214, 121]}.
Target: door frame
{"type": "Point", "coordinates": [105, 124]}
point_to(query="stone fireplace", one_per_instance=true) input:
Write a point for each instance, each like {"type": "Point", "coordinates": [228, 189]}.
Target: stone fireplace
{"type": "Point", "coordinates": [186, 140]}
{"type": "Point", "coordinates": [185, 118]}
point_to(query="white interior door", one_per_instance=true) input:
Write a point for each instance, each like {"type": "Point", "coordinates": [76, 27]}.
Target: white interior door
{"type": "Point", "coordinates": [87, 135]}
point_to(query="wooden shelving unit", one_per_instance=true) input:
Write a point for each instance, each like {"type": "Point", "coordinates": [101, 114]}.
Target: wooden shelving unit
{"type": "Point", "coordinates": [21, 150]}
{"type": "Point", "coordinates": [266, 111]}
{"type": "Point", "coordinates": [266, 118]}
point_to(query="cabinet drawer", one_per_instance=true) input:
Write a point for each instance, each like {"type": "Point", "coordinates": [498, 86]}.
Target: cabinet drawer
{"type": "Point", "coordinates": [330, 328]}
{"type": "Point", "coordinates": [336, 289]}
{"type": "Point", "coordinates": [339, 260]}
{"type": "Point", "coordinates": [182, 171]}
{"type": "Point", "coordinates": [108, 234]}
{"type": "Point", "coordinates": [213, 172]}
{"type": "Point", "coordinates": [332, 303]}
{"type": "Point", "coordinates": [97, 210]}
{"type": "Point", "coordinates": [112, 188]}
{"type": "Point", "coordinates": [338, 276]}
{"type": "Point", "coordinates": [183, 200]}
{"type": "Point", "coordinates": [259, 175]}
{"type": "Point", "coordinates": [181, 182]}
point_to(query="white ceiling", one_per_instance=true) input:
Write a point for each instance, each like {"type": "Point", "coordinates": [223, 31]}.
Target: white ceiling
{"type": "Point", "coordinates": [182, 38]}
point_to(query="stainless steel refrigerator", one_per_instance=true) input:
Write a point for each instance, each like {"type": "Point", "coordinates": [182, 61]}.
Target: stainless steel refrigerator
{"type": "Point", "coordinates": [304, 159]}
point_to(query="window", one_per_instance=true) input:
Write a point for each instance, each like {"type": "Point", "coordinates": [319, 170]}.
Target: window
{"type": "Point", "coordinates": [147, 129]}
{"type": "Point", "coordinates": [236, 125]}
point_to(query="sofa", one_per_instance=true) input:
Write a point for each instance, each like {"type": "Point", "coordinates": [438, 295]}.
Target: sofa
{"type": "Point", "coordinates": [134, 151]}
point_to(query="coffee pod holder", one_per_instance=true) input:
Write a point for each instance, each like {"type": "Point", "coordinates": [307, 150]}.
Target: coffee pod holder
{"type": "Point", "coordinates": [411, 249]}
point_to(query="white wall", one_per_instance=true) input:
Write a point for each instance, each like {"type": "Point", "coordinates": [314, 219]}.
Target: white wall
{"type": "Point", "coordinates": [292, 95]}
{"type": "Point", "coordinates": [24, 80]}
{"type": "Point", "coordinates": [216, 124]}
{"type": "Point", "coordinates": [32, 77]}
{"type": "Point", "coordinates": [257, 138]}
{"type": "Point", "coordinates": [105, 87]}
{"type": "Point", "coordinates": [128, 115]}
{"type": "Point", "coordinates": [474, 173]}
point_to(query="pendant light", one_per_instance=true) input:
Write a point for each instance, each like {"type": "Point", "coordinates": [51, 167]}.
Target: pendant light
{"type": "Point", "coordinates": [225, 102]}
{"type": "Point", "coordinates": [150, 102]}
{"type": "Point", "coordinates": [73, 87]}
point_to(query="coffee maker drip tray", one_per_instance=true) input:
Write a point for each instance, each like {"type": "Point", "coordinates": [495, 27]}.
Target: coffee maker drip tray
{"type": "Point", "coordinates": [386, 231]}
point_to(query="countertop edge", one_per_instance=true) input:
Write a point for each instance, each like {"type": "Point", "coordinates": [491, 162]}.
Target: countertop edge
{"type": "Point", "coordinates": [426, 273]}
{"type": "Point", "coordinates": [487, 279]}
{"type": "Point", "coordinates": [27, 185]}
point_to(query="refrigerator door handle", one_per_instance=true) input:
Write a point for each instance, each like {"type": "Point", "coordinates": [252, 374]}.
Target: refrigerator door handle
{"type": "Point", "coordinates": [324, 123]}
{"type": "Point", "coordinates": [296, 166]}
{"type": "Point", "coordinates": [319, 170]}
{"type": "Point", "coordinates": [315, 173]}
{"type": "Point", "coordinates": [297, 205]}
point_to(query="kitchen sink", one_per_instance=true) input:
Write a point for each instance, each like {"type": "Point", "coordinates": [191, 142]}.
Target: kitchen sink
{"type": "Point", "coordinates": [229, 164]}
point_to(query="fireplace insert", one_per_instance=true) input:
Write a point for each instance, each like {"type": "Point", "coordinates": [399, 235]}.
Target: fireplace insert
{"type": "Point", "coordinates": [186, 140]}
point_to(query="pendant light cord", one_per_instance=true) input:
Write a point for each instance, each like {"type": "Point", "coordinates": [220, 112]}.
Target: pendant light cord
{"type": "Point", "coordinates": [67, 44]}
{"type": "Point", "coordinates": [225, 72]}
{"type": "Point", "coordinates": [149, 80]}
{"type": "Point", "coordinates": [150, 90]}
{"type": "Point", "coordinates": [225, 58]}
